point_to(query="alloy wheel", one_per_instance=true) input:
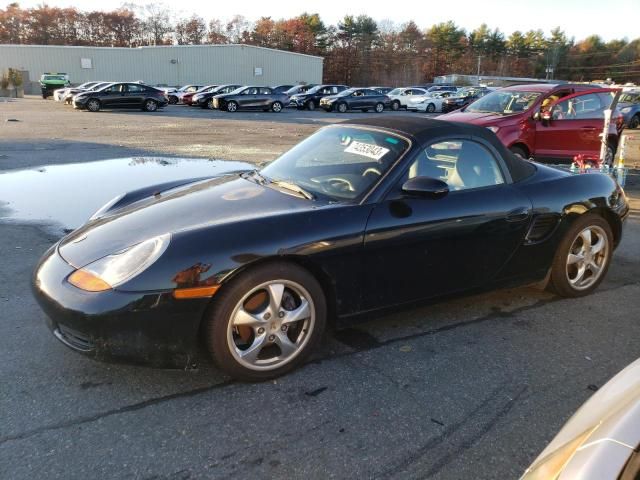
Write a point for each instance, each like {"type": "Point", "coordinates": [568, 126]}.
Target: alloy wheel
{"type": "Point", "coordinates": [587, 257]}
{"type": "Point", "coordinates": [271, 325]}
{"type": "Point", "coordinates": [93, 105]}
{"type": "Point", "coordinates": [379, 107]}
{"type": "Point", "coordinates": [232, 106]}
{"type": "Point", "coordinates": [276, 107]}
{"type": "Point", "coordinates": [342, 108]}
{"type": "Point", "coordinates": [431, 108]}
{"type": "Point", "coordinates": [151, 106]}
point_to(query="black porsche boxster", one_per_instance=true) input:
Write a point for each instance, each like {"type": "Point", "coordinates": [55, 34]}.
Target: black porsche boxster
{"type": "Point", "coordinates": [359, 217]}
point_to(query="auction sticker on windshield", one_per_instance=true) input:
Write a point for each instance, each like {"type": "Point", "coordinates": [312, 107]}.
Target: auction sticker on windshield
{"type": "Point", "coordinates": [367, 150]}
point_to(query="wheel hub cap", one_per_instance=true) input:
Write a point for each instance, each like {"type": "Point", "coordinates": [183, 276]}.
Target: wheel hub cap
{"type": "Point", "coordinates": [271, 325]}
{"type": "Point", "coordinates": [587, 257]}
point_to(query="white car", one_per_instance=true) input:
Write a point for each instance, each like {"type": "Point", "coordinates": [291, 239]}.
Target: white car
{"type": "Point", "coordinates": [430, 103]}
{"type": "Point", "coordinates": [601, 440]}
{"type": "Point", "coordinates": [60, 93]}
{"type": "Point", "coordinates": [400, 96]}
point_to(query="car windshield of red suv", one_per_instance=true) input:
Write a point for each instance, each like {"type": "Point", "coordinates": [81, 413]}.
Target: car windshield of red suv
{"type": "Point", "coordinates": [504, 102]}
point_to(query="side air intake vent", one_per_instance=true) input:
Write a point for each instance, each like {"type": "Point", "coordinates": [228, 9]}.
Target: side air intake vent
{"type": "Point", "coordinates": [543, 225]}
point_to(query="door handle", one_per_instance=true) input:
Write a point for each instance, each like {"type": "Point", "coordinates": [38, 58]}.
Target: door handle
{"type": "Point", "coordinates": [518, 215]}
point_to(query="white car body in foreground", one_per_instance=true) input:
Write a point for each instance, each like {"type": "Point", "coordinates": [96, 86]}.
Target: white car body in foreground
{"type": "Point", "coordinates": [400, 96]}
{"type": "Point", "coordinates": [601, 440]}
{"type": "Point", "coordinates": [431, 102]}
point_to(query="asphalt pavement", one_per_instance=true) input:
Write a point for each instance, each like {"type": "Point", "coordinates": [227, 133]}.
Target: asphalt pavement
{"type": "Point", "coordinates": [468, 388]}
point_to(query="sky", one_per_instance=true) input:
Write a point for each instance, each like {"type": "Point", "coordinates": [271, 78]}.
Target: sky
{"type": "Point", "coordinates": [578, 18]}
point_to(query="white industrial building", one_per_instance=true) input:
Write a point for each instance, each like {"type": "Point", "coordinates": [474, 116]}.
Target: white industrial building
{"type": "Point", "coordinates": [164, 65]}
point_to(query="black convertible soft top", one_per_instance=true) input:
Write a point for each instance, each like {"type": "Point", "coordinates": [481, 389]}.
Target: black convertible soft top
{"type": "Point", "coordinates": [425, 129]}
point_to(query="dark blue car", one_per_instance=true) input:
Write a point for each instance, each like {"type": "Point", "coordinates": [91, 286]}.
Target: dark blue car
{"type": "Point", "coordinates": [629, 106]}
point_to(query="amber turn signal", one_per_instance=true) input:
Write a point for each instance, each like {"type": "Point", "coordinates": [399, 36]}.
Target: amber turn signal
{"type": "Point", "coordinates": [88, 281]}
{"type": "Point", "coordinates": [195, 292]}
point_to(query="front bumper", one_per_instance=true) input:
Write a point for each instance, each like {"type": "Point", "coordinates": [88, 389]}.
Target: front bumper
{"type": "Point", "coordinates": [150, 328]}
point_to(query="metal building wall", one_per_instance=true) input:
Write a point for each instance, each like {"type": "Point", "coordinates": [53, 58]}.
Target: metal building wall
{"type": "Point", "coordinates": [170, 65]}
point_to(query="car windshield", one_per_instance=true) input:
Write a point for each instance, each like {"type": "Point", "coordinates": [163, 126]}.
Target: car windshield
{"type": "Point", "coordinates": [337, 163]}
{"type": "Point", "coordinates": [629, 98]}
{"type": "Point", "coordinates": [297, 89]}
{"type": "Point", "coordinates": [504, 102]}
{"type": "Point", "coordinates": [99, 88]}
{"type": "Point", "coordinates": [395, 91]}
{"type": "Point", "coordinates": [347, 92]}
{"type": "Point", "coordinates": [314, 89]}
{"type": "Point", "coordinates": [54, 77]}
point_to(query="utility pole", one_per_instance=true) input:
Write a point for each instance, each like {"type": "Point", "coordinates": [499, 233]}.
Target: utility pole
{"type": "Point", "coordinates": [479, 62]}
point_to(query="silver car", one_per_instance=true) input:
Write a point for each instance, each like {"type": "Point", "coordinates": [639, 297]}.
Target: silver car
{"type": "Point", "coordinates": [601, 440]}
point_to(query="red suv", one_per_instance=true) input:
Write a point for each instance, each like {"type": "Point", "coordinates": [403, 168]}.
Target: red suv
{"type": "Point", "coordinates": [544, 121]}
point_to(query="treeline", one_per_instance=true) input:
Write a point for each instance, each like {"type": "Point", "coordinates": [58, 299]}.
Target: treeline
{"type": "Point", "coordinates": [358, 50]}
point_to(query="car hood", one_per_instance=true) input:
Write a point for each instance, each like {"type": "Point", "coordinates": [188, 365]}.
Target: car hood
{"type": "Point", "coordinates": [331, 98]}
{"type": "Point", "coordinates": [480, 118]}
{"type": "Point", "coordinates": [205, 203]}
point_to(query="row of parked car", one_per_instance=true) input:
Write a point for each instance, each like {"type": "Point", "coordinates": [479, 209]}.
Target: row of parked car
{"type": "Point", "coordinates": [232, 97]}
{"type": "Point", "coordinates": [330, 97]}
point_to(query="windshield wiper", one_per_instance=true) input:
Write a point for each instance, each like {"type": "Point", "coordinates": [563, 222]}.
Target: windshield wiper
{"type": "Point", "coordinates": [256, 176]}
{"type": "Point", "coordinates": [294, 188]}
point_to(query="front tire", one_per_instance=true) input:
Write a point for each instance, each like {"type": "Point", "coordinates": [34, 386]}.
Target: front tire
{"type": "Point", "coordinates": [93, 105]}
{"type": "Point", "coordinates": [311, 105]}
{"type": "Point", "coordinates": [232, 106]}
{"type": "Point", "coordinates": [519, 151]}
{"type": "Point", "coordinates": [342, 107]}
{"type": "Point", "coordinates": [634, 122]}
{"type": "Point", "coordinates": [266, 321]}
{"type": "Point", "coordinates": [431, 108]}
{"type": "Point", "coordinates": [583, 257]}
{"type": "Point", "coordinates": [173, 100]}
{"type": "Point", "coordinates": [395, 105]}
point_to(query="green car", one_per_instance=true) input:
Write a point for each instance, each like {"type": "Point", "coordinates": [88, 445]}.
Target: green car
{"type": "Point", "coordinates": [52, 81]}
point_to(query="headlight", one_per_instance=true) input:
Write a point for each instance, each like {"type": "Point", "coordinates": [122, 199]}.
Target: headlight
{"type": "Point", "coordinates": [113, 270]}
{"type": "Point", "coordinates": [494, 129]}
{"type": "Point", "coordinates": [552, 465]}
{"type": "Point", "coordinates": [625, 109]}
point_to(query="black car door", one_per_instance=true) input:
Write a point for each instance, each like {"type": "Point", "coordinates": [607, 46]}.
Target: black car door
{"type": "Point", "coordinates": [135, 95]}
{"type": "Point", "coordinates": [264, 97]}
{"type": "Point", "coordinates": [248, 97]}
{"type": "Point", "coordinates": [114, 96]}
{"type": "Point", "coordinates": [417, 247]}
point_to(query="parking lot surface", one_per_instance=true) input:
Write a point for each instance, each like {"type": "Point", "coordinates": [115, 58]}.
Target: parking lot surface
{"type": "Point", "coordinates": [467, 388]}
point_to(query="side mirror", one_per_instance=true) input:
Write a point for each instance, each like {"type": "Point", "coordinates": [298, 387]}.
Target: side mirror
{"type": "Point", "coordinates": [425, 187]}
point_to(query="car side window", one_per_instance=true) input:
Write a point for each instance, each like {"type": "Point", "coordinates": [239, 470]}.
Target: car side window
{"type": "Point", "coordinates": [135, 88]}
{"type": "Point", "coordinates": [265, 91]}
{"type": "Point", "coordinates": [461, 164]}
{"type": "Point", "coordinates": [583, 107]}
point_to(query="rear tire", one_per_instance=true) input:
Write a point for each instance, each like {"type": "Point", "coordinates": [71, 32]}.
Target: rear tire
{"type": "Point", "coordinates": [579, 266]}
{"type": "Point", "coordinates": [150, 106]}
{"type": "Point", "coordinates": [250, 329]}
